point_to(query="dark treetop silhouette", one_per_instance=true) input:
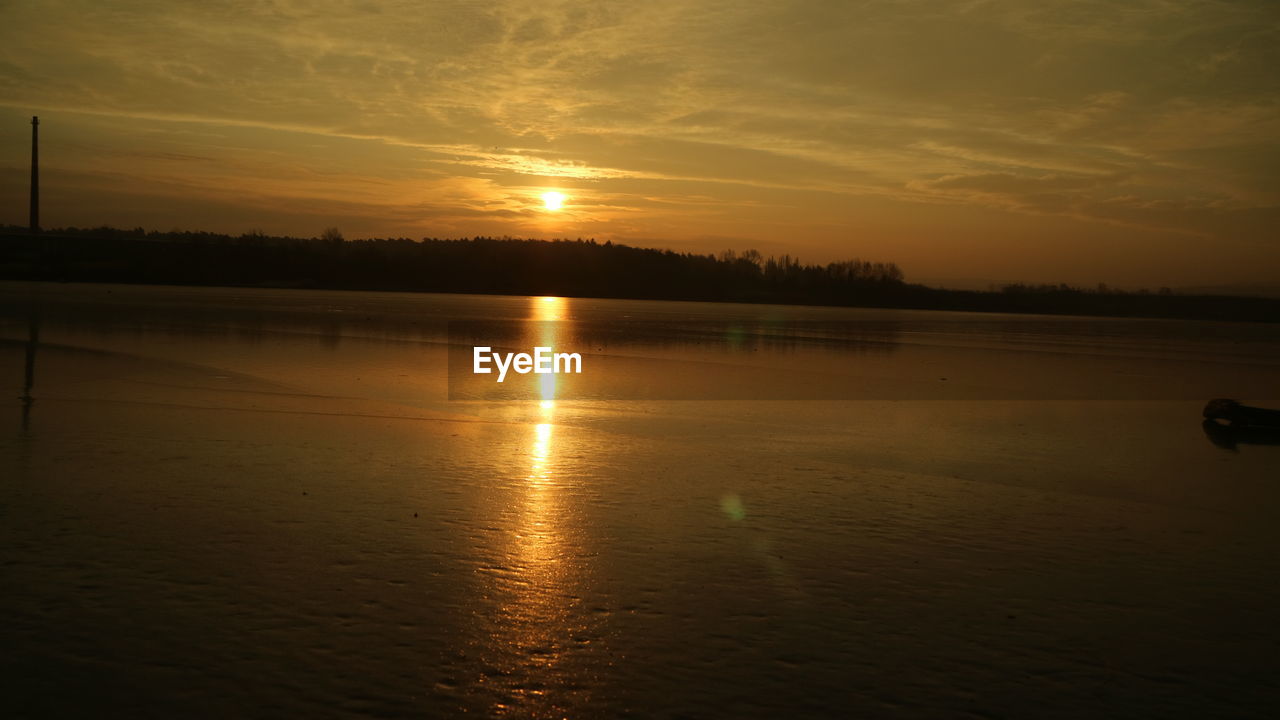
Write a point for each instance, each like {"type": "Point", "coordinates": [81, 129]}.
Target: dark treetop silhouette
{"type": "Point", "coordinates": [583, 268]}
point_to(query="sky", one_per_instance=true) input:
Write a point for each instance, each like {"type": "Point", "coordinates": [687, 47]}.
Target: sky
{"type": "Point", "coordinates": [1135, 143]}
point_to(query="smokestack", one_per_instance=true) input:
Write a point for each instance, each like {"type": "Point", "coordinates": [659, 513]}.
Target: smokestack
{"type": "Point", "coordinates": [35, 174]}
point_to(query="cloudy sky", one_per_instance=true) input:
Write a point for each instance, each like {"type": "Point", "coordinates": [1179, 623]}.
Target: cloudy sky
{"type": "Point", "coordinates": [1134, 143]}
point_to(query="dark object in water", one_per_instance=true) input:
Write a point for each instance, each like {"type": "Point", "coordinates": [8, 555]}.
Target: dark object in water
{"type": "Point", "coordinates": [1228, 437]}
{"type": "Point", "coordinates": [1242, 416]}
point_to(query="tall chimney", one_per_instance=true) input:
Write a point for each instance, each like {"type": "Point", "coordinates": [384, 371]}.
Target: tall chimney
{"type": "Point", "coordinates": [35, 174]}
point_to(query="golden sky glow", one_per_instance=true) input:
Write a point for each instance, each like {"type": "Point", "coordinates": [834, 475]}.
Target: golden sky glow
{"type": "Point", "coordinates": [1048, 140]}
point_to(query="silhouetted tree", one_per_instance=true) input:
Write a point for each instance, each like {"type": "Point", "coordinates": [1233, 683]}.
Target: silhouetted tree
{"type": "Point", "coordinates": [534, 267]}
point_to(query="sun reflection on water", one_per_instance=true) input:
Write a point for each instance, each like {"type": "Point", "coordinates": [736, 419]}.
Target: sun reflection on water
{"type": "Point", "coordinates": [548, 314]}
{"type": "Point", "coordinates": [539, 594]}
{"type": "Point", "coordinates": [549, 308]}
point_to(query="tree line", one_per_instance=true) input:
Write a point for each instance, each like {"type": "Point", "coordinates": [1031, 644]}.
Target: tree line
{"type": "Point", "coordinates": [474, 265]}
{"type": "Point", "coordinates": [582, 268]}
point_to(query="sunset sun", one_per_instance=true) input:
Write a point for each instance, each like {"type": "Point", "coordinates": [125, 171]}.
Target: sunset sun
{"type": "Point", "coordinates": [553, 200]}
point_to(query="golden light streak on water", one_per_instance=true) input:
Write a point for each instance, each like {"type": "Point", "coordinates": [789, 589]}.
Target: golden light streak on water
{"type": "Point", "coordinates": [549, 308]}
{"type": "Point", "coordinates": [548, 314]}
{"type": "Point", "coordinates": [539, 588]}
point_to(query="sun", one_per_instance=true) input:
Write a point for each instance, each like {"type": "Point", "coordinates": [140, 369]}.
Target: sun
{"type": "Point", "coordinates": [553, 200]}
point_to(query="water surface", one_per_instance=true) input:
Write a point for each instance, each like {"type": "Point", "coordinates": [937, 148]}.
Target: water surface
{"type": "Point", "coordinates": [236, 502]}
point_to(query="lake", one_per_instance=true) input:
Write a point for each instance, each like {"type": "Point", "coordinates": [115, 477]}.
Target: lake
{"type": "Point", "coordinates": [229, 502]}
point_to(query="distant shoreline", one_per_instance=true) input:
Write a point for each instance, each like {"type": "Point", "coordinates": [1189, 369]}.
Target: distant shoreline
{"type": "Point", "coordinates": [569, 268]}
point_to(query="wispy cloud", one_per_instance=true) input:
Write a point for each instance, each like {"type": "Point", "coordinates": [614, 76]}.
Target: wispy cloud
{"type": "Point", "coordinates": [1156, 114]}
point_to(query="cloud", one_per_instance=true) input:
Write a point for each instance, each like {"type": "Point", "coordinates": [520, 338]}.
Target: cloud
{"type": "Point", "coordinates": [1054, 107]}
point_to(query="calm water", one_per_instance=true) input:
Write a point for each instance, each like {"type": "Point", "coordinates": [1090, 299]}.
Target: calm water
{"type": "Point", "coordinates": [263, 503]}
